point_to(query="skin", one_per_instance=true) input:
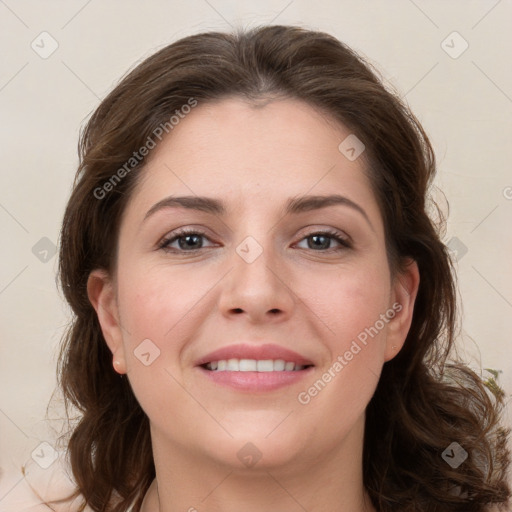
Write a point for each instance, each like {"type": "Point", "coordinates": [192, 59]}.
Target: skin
{"type": "Point", "coordinates": [314, 301]}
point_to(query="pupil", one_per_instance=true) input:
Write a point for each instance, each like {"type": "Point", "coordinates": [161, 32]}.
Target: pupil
{"type": "Point", "coordinates": [321, 245]}
{"type": "Point", "coordinates": [190, 242]}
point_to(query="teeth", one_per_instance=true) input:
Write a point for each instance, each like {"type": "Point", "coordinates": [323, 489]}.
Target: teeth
{"type": "Point", "coordinates": [253, 365]}
{"type": "Point", "coordinates": [248, 365]}
{"type": "Point", "coordinates": [278, 365]}
{"type": "Point", "coordinates": [232, 365]}
{"type": "Point", "coordinates": [266, 365]}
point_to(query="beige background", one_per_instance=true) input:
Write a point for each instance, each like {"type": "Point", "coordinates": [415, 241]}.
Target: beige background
{"type": "Point", "coordinates": [464, 102]}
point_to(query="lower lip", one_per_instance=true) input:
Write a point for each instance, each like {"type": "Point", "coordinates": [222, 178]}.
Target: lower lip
{"type": "Point", "coordinates": [256, 381]}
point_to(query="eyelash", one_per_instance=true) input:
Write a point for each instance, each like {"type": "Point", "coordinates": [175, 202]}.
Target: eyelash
{"type": "Point", "coordinates": [164, 244]}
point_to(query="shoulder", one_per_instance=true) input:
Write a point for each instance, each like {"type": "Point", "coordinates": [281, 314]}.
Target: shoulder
{"type": "Point", "coordinates": [28, 489]}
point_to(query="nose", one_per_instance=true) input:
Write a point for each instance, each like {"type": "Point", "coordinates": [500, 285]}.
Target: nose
{"type": "Point", "coordinates": [257, 288]}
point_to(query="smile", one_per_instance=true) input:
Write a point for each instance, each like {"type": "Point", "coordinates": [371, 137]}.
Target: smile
{"type": "Point", "coordinates": [254, 365]}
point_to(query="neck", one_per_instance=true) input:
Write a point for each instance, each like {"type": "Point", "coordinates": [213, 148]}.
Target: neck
{"type": "Point", "coordinates": [193, 483]}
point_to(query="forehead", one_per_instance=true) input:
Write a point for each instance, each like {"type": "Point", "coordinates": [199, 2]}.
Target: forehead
{"type": "Point", "coordinates": [246, 135]}
{"type": "Point", "coordinates": [253, 156]}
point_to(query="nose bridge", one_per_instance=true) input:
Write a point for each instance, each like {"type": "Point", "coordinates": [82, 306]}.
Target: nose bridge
{"type": "Point", "coordinates": [254, 284]}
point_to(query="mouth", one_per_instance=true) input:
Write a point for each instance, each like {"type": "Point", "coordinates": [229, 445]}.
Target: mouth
{"type": "Point", "coordinates": [254, 365]}
{"type": "Point", "coordinates": [255, 368]}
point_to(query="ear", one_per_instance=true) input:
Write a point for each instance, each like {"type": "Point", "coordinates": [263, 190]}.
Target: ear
{"type": "Point", "coordinates": [100, 290]}
{"type": "Point", "coordinates": [403, 293]}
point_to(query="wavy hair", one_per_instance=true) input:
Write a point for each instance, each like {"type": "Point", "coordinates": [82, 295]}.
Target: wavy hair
{"type": "Point", "coordinates": [426, 398]}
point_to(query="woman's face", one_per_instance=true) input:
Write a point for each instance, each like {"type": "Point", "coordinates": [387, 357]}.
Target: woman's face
{"type": "Point", "coordinates": [256, 277]}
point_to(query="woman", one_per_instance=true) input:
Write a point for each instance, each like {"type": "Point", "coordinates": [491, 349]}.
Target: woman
{"type": "Point", "coordinates": [263, 309]}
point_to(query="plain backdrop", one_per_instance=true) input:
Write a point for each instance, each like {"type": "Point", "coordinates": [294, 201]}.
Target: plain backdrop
{"type": "Point", "coordinates": [449, 60]}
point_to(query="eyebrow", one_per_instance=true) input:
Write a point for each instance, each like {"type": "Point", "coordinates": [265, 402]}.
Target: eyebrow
{"type": "Point", "coordinates": [293, 205]}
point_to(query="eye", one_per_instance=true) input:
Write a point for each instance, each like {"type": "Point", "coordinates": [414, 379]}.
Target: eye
{"type": "Point", "coordinates": [321, 241]}
{"type": "Point", "coordinates": [189, 240]}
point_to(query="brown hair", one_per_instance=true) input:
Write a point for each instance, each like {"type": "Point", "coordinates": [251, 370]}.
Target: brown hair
{"type": "Point", "coordinates": [423, 402]}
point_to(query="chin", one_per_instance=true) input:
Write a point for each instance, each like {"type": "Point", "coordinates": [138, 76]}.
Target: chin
{"type": "Point", "coordinates": [260, 440]}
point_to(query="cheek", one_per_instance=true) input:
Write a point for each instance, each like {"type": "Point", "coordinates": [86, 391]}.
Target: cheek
{"type": "Point", "coordinates": [153, 299]}
{"type": "Point", "coordinates": [158, 309]}
{"type": "Point", "coordinates": [355, 311]}
{"type": "Point", "coordinates": [162, 308]}
{"type": "Point", "coordinates": [348, 301]}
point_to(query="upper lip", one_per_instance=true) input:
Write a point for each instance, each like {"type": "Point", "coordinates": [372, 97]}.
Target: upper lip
{"type": "Point", "coordinates": [260, 352]}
